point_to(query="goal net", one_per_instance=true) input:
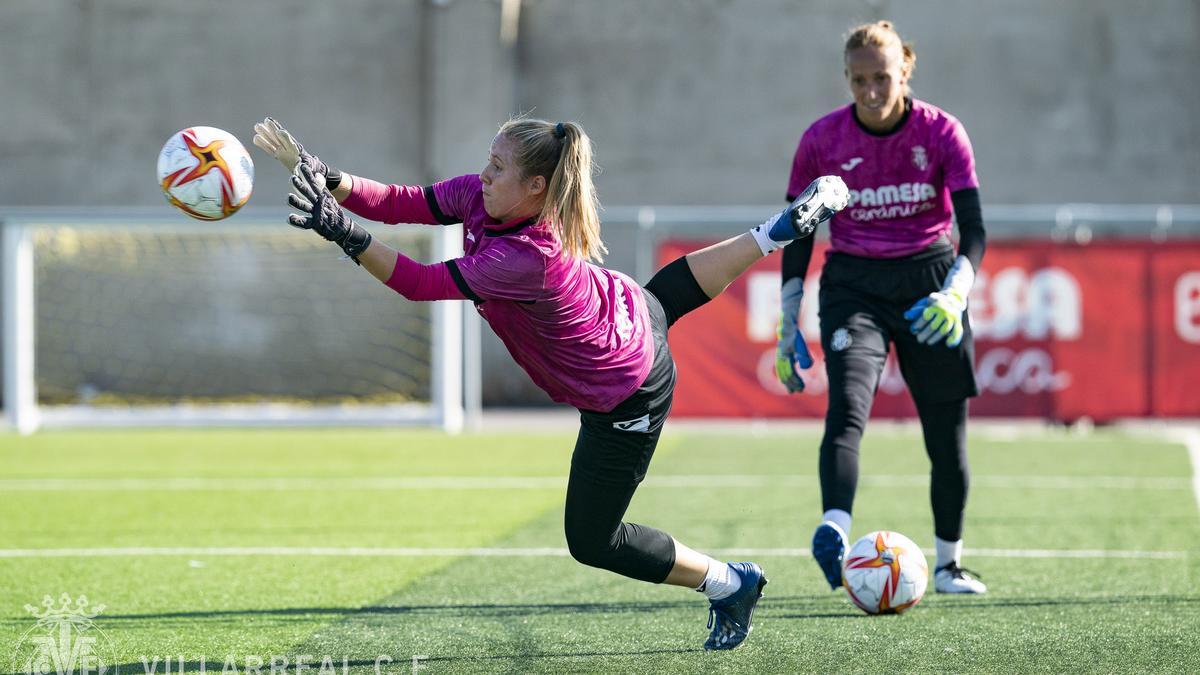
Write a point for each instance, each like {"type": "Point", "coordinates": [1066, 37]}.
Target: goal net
{"type": "Point", "coordinates": [129, 321]}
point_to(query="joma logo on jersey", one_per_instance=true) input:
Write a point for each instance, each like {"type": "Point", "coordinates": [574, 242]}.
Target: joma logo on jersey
{"type": "Point", "coordinates": [885, 195]}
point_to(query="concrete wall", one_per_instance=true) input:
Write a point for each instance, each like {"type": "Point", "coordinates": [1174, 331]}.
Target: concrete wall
{"type": "Point", "coordinates": [702, 101]}
{"type": "Point", "coordinates": [91, 90]}
{"type": "Point", "coordinates": [688, 101]}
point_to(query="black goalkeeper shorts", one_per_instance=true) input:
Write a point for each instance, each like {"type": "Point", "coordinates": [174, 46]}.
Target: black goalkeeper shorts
{"type": "Point", "coordinates": [862, 305]}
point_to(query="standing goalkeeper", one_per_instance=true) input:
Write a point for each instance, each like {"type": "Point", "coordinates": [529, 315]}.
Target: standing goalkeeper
{"type": "Point", "coordinates": [892, 276]}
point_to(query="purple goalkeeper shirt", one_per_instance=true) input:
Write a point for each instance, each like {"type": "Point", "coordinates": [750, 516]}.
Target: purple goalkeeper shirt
{"type": "Point", "coordinates": [582, 332]}
{"type": "Point", "coordinates": [900, 183]}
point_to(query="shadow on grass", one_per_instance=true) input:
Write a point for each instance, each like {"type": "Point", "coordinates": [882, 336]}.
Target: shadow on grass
{"type": "Point", "coordinates": [797, 607]}
{"type": "Point", "coordinates": [460, 610]}
{"type": "Point", "coordinates": [970, 603]}
{"type": "Point", "coordinates": [953, 603]}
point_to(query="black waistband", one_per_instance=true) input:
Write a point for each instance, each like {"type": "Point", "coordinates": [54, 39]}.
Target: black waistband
{"type": "Point", "coordinates": [938, 249]}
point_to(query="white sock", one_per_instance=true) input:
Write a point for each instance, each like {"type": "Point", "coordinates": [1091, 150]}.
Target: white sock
{"type": "Point", "coordinates": [840, 518]}
{"type": "Point", "coordinates": [947, 552]}
{"type": "Point", "coordinates": [720, 581]}
{"type": "Point", "coordinates": [765, 243]}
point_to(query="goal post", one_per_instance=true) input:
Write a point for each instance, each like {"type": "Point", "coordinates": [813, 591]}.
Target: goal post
{"type": "Point", "coordinates": [136, 317]}
{"type": "Point", "coordinates": [20, 399]}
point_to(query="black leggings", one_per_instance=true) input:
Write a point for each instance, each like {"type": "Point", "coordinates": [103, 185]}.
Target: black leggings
{"type": "Point", "coordinates": [614, 449]}
{"type": "Point", "coordinates": [945, 429]}
{"type": "Point", "coordinates": [862, 305]}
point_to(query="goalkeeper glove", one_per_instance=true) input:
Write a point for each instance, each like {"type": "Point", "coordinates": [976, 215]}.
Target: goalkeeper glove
{"type": "Point", "coordinates": [323, 215]}
{"type": "Point", "coordinates": [791, 351]}
{"type": "Point", "coordinates": [940, 315]}
{"type": "Point", "coordinates": [270, 136]}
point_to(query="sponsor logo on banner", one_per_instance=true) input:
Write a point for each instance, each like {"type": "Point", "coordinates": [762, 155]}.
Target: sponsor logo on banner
{"type": "Point", "coordinates": [1014, 303]}
{"type": "Point", "coordinates": [1187, 307]}
{"type": "Point", "coordinates": [1011, 304]}
{"type": "Point", "coordinates": [1105, 331]}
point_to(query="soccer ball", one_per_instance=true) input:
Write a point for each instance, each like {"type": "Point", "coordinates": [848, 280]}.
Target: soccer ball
{"type": "Point", "coordinates": [885, 573]}
{"type": "Point", "coordinates": [206, 173]}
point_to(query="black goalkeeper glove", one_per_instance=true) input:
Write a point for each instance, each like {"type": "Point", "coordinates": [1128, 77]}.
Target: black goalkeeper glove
{"type": "Point", "coordinates": [322, 214]}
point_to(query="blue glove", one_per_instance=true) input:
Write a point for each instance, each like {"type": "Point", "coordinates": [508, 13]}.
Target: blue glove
{"type": "Point", "coordinates": [791, 351]}
{"type": "Point", "coordinates": [936, 316]}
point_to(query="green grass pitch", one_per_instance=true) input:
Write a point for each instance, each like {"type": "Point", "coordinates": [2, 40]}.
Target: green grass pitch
{"type": "Point", "coordinates": [227, 548]}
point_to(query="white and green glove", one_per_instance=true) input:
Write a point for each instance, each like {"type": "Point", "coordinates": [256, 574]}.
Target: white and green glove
{"type": "Point", "coordinates": [940, 315]}
{"type": "Point", "coordinates": [272, 138]}
{"type": "Point", "coordinates": [791, 352]}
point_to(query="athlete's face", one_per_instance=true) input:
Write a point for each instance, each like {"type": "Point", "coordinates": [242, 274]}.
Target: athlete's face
{"type": "Point", "coordinates": [507, 194]}
{"type": "Point", "coordinates": [877, 78]}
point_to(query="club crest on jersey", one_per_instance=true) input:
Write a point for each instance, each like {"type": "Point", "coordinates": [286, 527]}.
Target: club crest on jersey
{"type": "Point", "coordinates": [919, 159]}
{"type": "Point", "coordinates": [841, 340]}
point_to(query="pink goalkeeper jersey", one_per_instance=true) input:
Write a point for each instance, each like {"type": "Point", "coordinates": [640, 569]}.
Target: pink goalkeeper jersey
{"type": "Point", "coordinates": [900, 184]}
{"type": "Point", "coordinates": [582, 332]}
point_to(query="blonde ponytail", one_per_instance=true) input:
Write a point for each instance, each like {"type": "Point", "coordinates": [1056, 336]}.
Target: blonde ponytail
{"type": "Point", "coordinates": [562, 154]}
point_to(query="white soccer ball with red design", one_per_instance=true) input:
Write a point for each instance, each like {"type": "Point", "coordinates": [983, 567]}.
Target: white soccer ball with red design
{"type": "Point", "coordinates": [885, 573]}
{"type": "Point", "coordinates": [206, 173]}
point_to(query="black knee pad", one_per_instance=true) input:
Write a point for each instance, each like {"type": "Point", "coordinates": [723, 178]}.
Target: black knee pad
{"type": "Point", "coordinates": [588, 548]}
{"type": "Point", "coordinates": [677, 289]}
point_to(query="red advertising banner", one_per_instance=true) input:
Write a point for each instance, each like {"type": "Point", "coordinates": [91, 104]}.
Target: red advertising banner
{"type": "Point", "coordinates": [1062, 331]}
{"type": "Point", "coordinates": [1174, 286]}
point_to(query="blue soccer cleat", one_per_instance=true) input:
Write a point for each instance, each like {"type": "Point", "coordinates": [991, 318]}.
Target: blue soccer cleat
{"type": "Point", "coordinates": [729, 618]}
{"type": "Point", "coordinates": [829, 548]}
{"type": "Point", "coordinates": [822, 198]}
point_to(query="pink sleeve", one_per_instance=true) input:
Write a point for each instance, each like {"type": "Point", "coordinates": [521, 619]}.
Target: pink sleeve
{"type": "Point", "coordinates": [423, 282]}
{"type": "Point", "coordinates": [958, 163]}
{"type": "Point", "coordinates": [804, 169]}
{"type": "Point", "coordinates": [389, 203]}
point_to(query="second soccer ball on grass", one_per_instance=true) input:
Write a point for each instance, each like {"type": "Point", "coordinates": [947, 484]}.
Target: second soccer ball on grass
{"type": "Point", "coordinates": [885, 573]}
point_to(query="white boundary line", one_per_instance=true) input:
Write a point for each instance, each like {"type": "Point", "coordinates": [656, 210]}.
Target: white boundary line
{"type": "Point", "coordinates": [548, 482]}
{"type": "Point", "coordinates": [1187, 435]}
{"type": "Point", "coordinates": [1191, 439]}
{"type": "Point", "coordinates": [408, 552]}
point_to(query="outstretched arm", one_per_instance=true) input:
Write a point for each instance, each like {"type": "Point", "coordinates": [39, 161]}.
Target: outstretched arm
{"type": "Point", "coordinates": [369, 199]}
{"type": "Point", "coordinates": [390, 203]}
{"type": "Point", "coordinates": [408, 277]}
{"type": "Point", "coordinates": [401, 273]}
